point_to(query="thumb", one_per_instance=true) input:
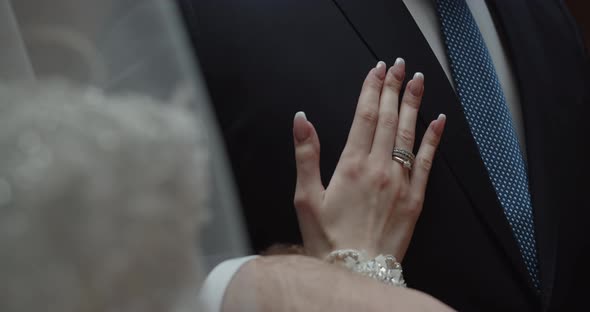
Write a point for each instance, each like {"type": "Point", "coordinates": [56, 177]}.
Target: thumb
{"type": "Point", "coordinates": [308, 192]}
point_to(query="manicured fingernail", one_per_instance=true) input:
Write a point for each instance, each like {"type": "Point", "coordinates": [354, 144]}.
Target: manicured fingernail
{"type": "Point", "coordinates": [417, 84]}
{"type": "Point", "coordinates": [300, 114]}
{"type": "Point", "coordinates": [399, 69]}
{"type": "Point", "coordinates": [300, 127]}
{"type": "Point", "coordinates": [439, 124]}
{"type": "Point", "coordinates": [380, 70]}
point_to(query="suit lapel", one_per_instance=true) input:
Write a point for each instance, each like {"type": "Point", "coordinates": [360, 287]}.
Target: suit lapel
{"type": "Point", "coordinates": [388, 30]}
{"type": "Point", "coordinates": [520, 39]}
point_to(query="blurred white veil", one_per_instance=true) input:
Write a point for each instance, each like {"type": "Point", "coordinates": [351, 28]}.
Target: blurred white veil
{"type": "Point", "coordinates": [124, 47]}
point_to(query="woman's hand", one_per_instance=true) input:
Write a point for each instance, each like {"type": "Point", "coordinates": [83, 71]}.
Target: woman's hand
{"type": "Point", "coordinates": [372, 202]}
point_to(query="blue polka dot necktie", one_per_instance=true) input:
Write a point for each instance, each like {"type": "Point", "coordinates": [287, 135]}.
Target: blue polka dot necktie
{"type": "Point", "coordinates": [490, 122]}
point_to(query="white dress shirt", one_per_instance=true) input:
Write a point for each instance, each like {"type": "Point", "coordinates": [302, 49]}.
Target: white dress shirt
{"type": "Point", "coordinates": [213, 289]}
{"type": "Point", "coordinates": [425, 16]}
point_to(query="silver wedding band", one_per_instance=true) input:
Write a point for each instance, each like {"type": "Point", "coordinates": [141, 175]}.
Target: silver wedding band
{"type": "Point", "coordinates": [404, 157]}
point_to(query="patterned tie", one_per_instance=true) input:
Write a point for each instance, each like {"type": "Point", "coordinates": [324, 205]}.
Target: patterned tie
{"type": "Point", "coordinates": [485, 107]}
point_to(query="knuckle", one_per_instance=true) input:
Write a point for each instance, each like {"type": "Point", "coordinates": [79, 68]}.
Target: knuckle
{"type": "Point", "coordinates": [302, 200]}
{"type": "Point", "coordinates": [431, 139]}
{"type": "Point", "coordinates": [406, 136]}
{"type": "Point", "coordinates": [415, 205]}
{"type": "Point", "coordinates": [402, 193]}
{"type": "Point", "coordinates": [382, 177]}
{"type": "Point", "coordinates": [306, 153]}
{"type": "Point", "coordinates": [352, 169]}
{"type": "Point", "coordinates": [392, 83]}
{"type": "Point", "coordinates": [369, 115]}
{"type": "Point", "coordinates": [373, 83]}
{"type": "Point", "coordinates": [388, 120]}
{"type": "Point", "coordinates": [412, 102]}
{"type": "Point", "coordinates": [424, 163]}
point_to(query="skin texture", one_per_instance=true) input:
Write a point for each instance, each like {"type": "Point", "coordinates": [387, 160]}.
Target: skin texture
{"type": "Point", "coordinates": [298, 283]}
{"type": "Point", "coordinates": [372, 202]}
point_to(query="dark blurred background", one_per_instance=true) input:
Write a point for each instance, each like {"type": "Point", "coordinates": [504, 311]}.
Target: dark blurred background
{"type": "Point", "coordinates": [581, 11]}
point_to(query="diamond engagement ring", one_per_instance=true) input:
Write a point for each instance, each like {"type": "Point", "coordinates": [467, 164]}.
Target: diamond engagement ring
{"type": "Point", "coordinates": [403, 157]}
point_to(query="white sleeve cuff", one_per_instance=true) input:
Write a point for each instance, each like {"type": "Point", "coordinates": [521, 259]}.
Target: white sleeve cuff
{"type": "Point", "coordinates": [216, 283]}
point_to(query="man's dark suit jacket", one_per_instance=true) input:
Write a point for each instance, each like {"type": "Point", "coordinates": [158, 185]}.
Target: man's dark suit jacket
{"type": "Point", "coordinates": [264, 60]}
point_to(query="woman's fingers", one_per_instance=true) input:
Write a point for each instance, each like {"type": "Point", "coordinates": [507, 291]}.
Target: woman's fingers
{"type": "Point", "coordinates": [309, 188]}
{"type": "Point", "coordinates": [406, 129]}
{"type": "Point", "coordinates": [360, 138]}
{"type": "Point", "coordinates": [388, 111]}
{"type": "Point", "coordinates": [425, 157]}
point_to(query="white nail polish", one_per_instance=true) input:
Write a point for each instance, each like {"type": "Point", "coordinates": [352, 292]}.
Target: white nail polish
{"type": "Point", "coordinates": [301, 114]}
{"type": "Point", "coordinates": [418, 75]}
{"type": "Point", "coordinates": [380, 64]}
{"type": "Point", "coordinates": [442, 117]}
{"type": "Point", "coordinates": [399, 61]}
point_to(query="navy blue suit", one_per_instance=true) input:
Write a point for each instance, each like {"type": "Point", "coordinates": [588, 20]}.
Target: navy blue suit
{"type": "Point", "coordinates": [263, 60]}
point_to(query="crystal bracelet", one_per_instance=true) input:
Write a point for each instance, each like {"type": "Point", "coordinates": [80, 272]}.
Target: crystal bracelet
{"type": "Point", "coordinates": [383, 268]}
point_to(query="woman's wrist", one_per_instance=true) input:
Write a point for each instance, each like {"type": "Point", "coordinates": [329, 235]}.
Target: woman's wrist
{"type": "Point", "coordinates": [384, 268]}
